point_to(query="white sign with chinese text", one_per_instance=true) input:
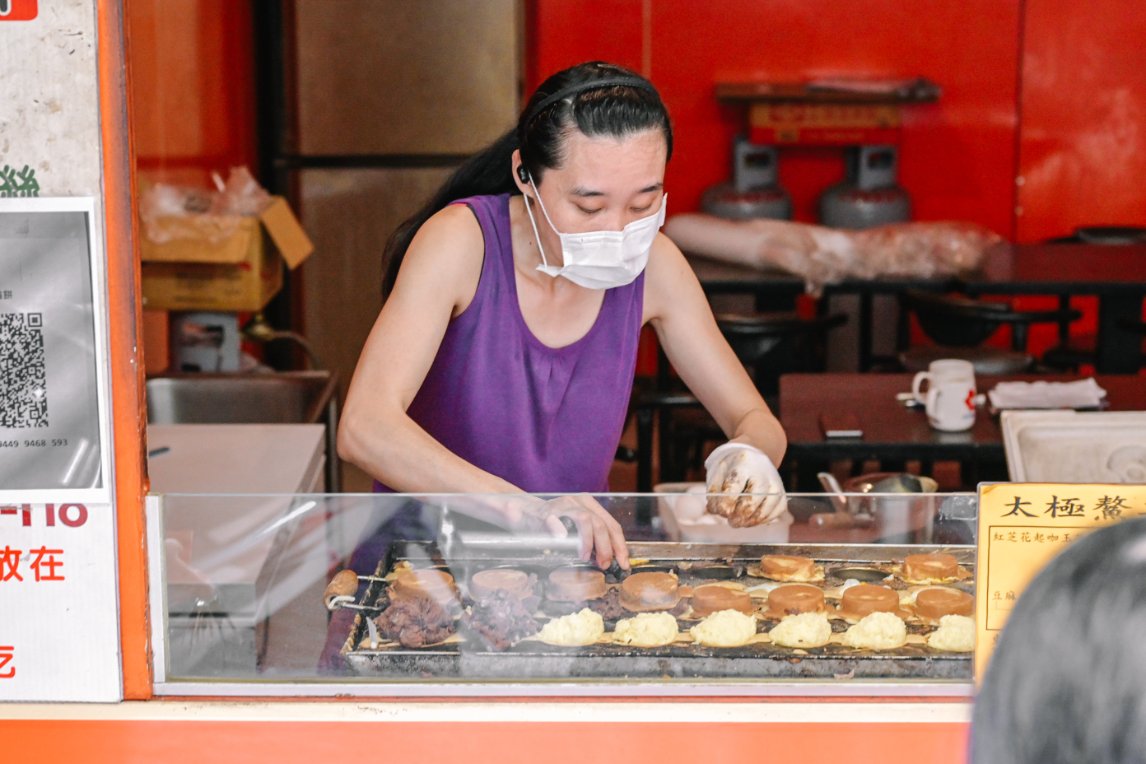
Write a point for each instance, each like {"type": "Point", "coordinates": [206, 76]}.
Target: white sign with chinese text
{"type": "Point", "coordinates": [59, 625]}
{"type": "Point", "coordinates": [59, 618]}
{"type": "Point", "coordinates": [1021, 527]}
{"type": "Point", "coordinates": [59, 621]}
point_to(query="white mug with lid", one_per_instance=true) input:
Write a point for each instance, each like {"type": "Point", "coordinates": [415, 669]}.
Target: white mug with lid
{"type": "Point", "coordinates": [950, 394]}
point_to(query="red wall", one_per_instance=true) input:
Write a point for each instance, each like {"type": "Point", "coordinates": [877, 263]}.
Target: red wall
{"type": "Point", "coordinates": [1082, 153]}
{"type": "Point", "coordinates": [1071, 128]}
{"type": "Point", "coordinates": [192, 101]}
{"type": "Point", "coordinates": [192, 88]}
{"type": "Point", "coordinates": [1083, 117]}
{"type": "Point", "coordinates": [957, 156]}
{"type": "Point", "coordinates": [1041, 126]}
{"type": "Point", "coordinates": [1047, 90]}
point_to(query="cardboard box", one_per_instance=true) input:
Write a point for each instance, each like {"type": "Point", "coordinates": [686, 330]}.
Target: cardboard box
{"type": "Point", "coordinates": [225, 263]}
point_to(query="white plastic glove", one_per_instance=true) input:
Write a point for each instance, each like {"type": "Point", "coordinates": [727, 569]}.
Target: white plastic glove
{"type": "Point", "coordinates": [744, 485]}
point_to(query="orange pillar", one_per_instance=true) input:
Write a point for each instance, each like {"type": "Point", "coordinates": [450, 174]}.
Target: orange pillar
{"type": "Point", "coordinates": [129, 416]}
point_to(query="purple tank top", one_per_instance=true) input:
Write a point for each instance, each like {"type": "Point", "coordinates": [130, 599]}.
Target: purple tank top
{"type": "Point", "coordinates": [546, 419]}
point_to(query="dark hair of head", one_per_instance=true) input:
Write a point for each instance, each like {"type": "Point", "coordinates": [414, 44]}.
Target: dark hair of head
{"type": "Point", "coordinates": [1067, 681]}
{"type": "Point", "coordinates": [616, 110]}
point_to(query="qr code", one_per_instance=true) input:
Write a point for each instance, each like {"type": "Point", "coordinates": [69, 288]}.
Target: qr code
{"type": "Point", "coordinates": [23, 378]}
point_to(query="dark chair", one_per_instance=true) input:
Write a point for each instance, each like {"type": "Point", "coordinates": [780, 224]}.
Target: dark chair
{"type": "Point", "coordinates": [1071, 352]}
{"type": "Point", "coordinates": [768, 344]}
{"type": "Point", "coordinates": [960, 325]}
{"type": "Point", "coordinates": [772, 344]}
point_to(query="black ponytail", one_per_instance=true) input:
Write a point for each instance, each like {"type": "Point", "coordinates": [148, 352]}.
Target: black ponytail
{"type": "Point", "coordinates": [594, 98]}
{"type": "Point", "coordinates": [486, 172]}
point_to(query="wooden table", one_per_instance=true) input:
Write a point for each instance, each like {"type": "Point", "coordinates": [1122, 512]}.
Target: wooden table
{"type": "Point", "coordinates": [1116, 275]}
{"type": "Point", "coordinates": [1113, 274]}
{"type": "Point", "coordinates": [895, 433]}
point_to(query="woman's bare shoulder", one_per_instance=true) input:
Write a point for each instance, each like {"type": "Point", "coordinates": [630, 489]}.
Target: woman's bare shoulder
{"type": "Point", "coordinates": [445, 256]}
{"type": "Point", "coordinates": [451, 236]}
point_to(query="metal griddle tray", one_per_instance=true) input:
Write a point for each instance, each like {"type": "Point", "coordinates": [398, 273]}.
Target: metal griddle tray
{"type": "Point", "coordinates": [535, 660]}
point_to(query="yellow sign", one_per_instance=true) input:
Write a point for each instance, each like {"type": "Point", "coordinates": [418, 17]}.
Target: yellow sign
{"type": "Point", "coordinates": [1021, 527]}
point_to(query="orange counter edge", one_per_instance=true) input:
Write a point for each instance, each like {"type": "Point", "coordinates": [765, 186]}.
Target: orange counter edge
{"type": "Point", "coordinates": [178, 742]}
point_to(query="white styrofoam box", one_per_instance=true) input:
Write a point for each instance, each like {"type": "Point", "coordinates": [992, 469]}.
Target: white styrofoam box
{"type": "Point", "coordinates": [1075, 447]}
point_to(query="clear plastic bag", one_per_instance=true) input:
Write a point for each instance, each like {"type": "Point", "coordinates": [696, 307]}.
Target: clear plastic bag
{"type": "Point", "coordinates": [178, 212]}
{"type": "Point", "coordinates": [822, 255]}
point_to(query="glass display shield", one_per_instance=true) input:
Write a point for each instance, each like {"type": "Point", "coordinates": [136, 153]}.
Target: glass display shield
{"type": "Point", "coordinates": [388, 594]}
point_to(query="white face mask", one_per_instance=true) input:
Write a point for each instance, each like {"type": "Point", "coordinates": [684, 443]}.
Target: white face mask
{"type": "Point", "coordinates": [601, 259]}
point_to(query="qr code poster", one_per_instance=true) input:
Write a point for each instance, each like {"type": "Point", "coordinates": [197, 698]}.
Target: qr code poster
{"type": "Point", "coordinates": [52, 389]}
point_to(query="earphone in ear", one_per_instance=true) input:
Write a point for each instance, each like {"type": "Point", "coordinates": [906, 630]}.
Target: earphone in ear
{"type": "Point", "coordinates": [523, 173]}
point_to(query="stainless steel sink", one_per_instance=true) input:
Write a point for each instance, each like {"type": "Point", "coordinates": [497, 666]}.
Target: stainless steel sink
{"type": "Point", "coordinates": [291, 397]}
{"type": "Point", "coordinates": [285, 397]}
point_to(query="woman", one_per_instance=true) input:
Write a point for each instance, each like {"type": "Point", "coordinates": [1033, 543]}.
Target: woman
{"type": "Point", "coordinates": [503, 359]}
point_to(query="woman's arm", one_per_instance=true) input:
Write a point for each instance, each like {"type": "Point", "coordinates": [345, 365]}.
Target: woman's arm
{"type": "Point", "coordinates": [437, 281]}
{"type": "Point", "coordinates": [678, 310]}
